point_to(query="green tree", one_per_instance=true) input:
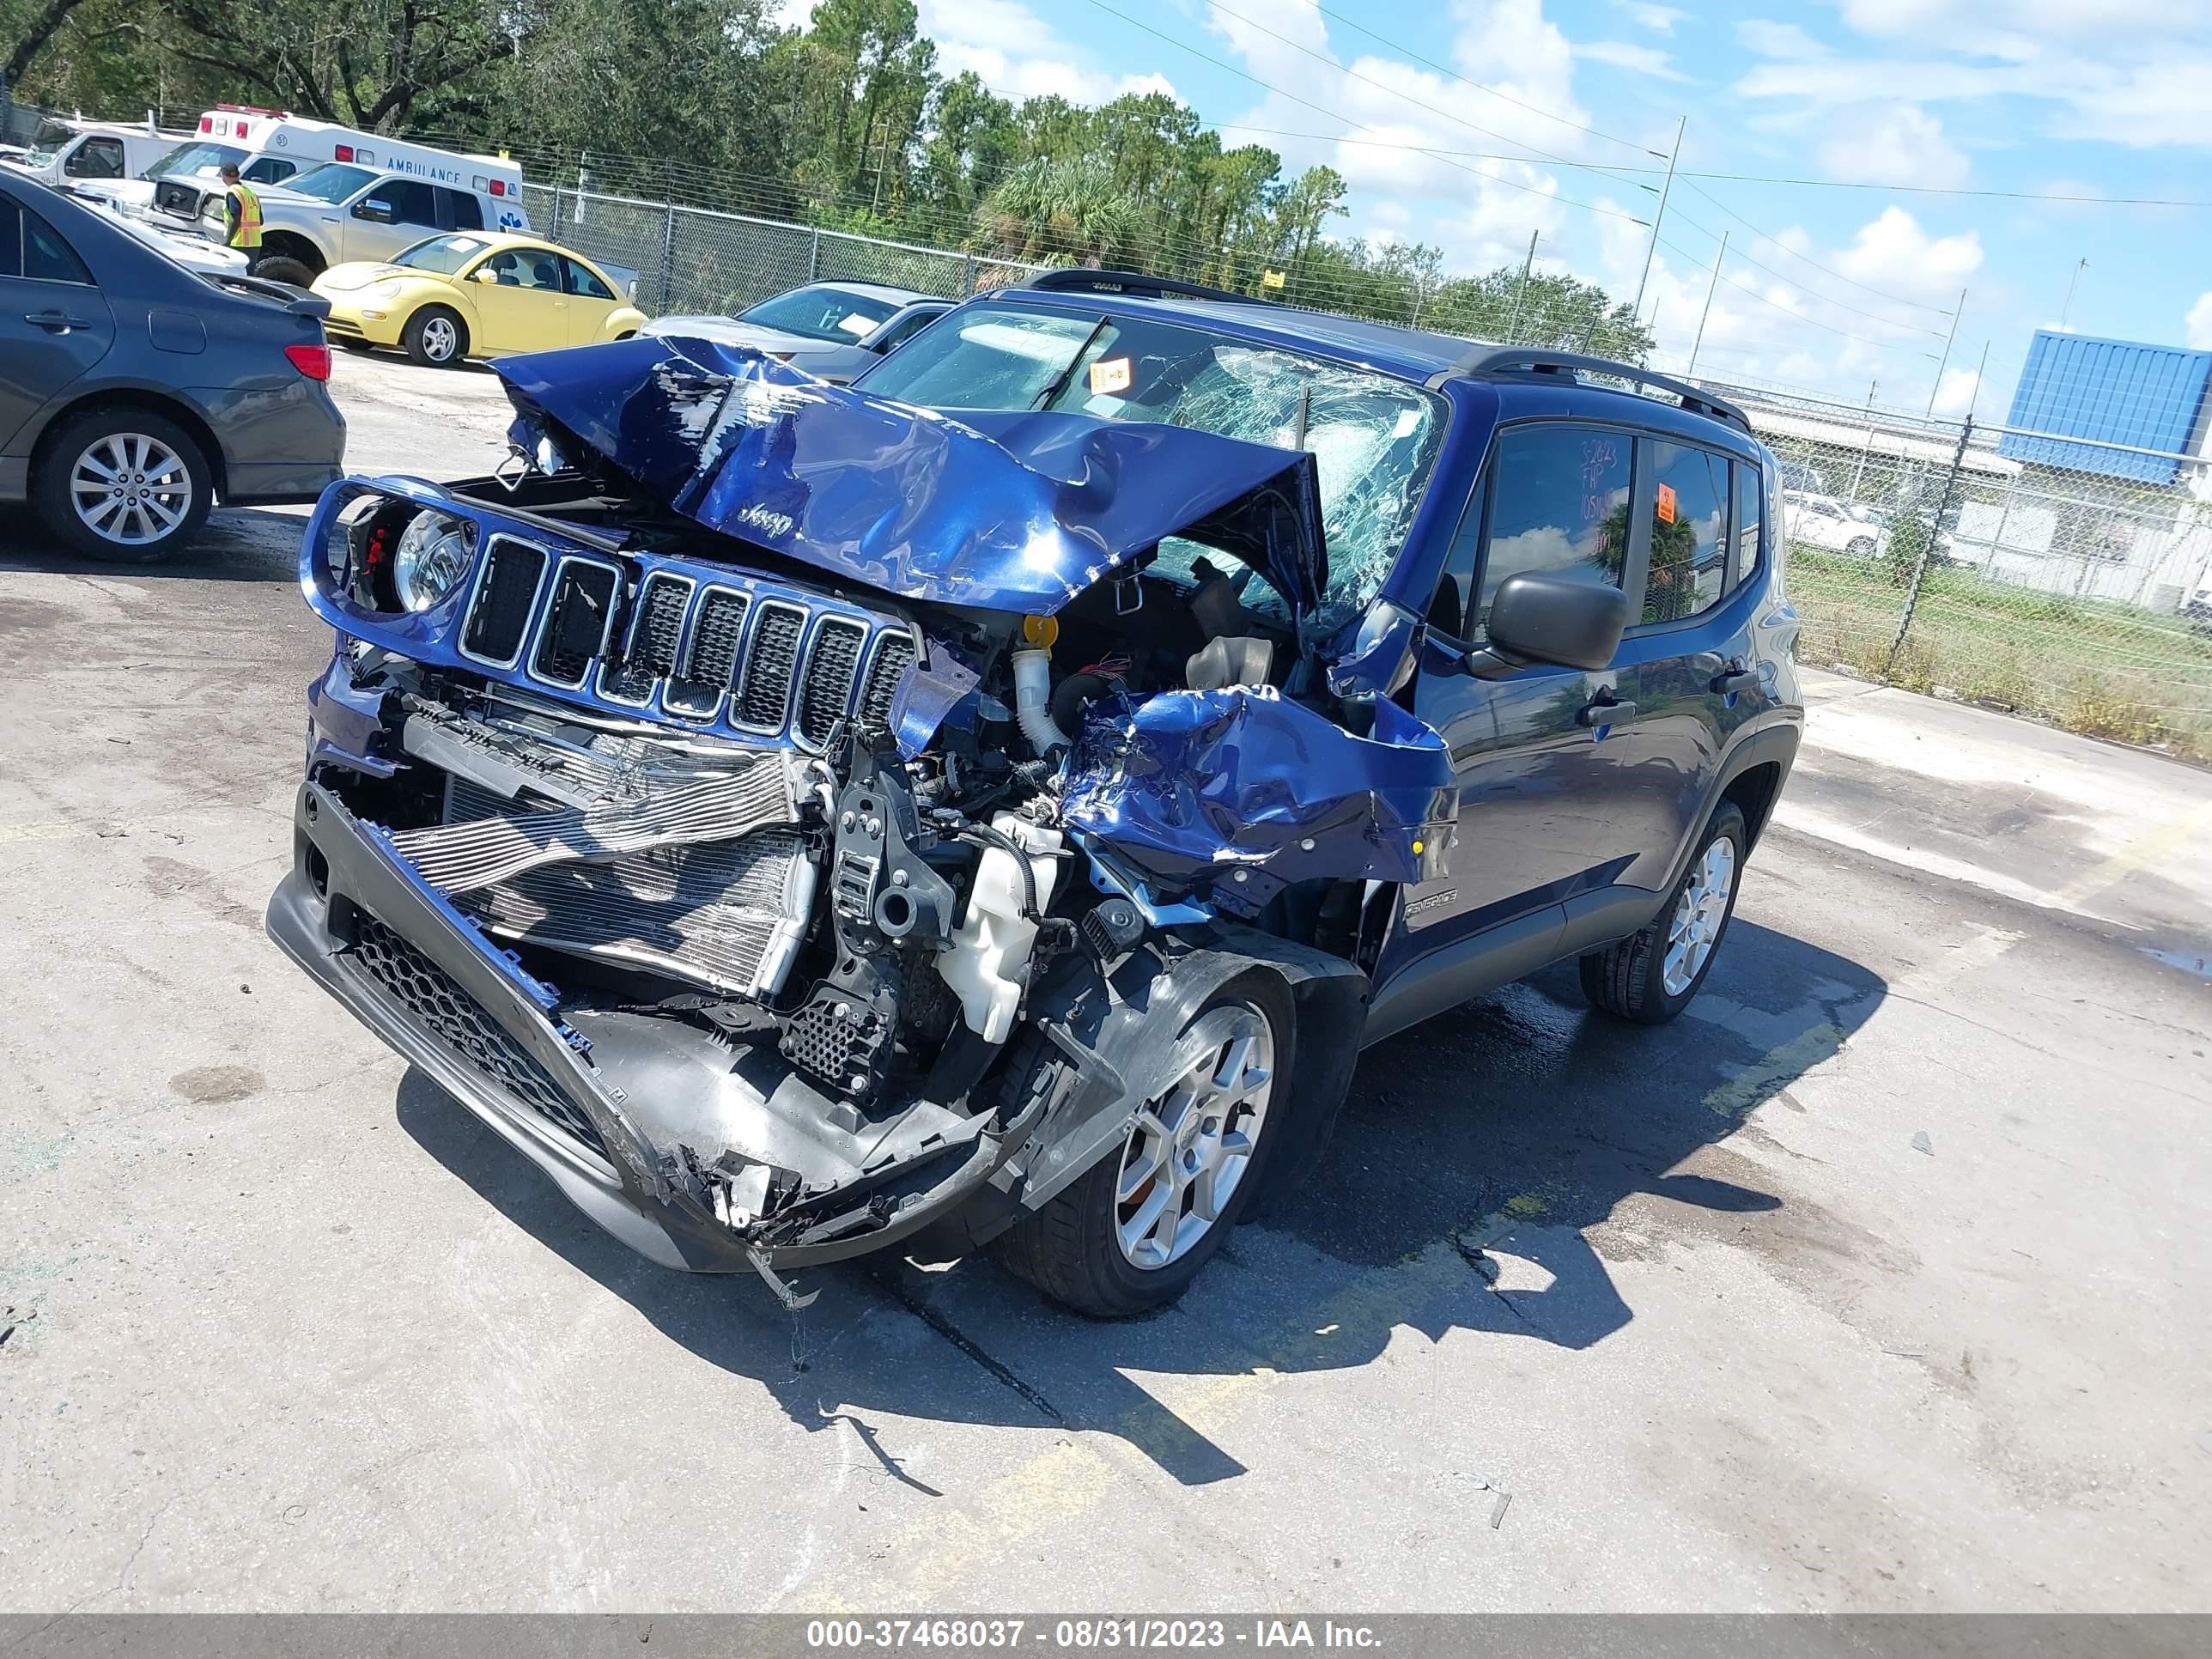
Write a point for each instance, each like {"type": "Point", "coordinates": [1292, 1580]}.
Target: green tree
{"type": "Point", "coordinates": [1061, 212]}
{"type": "Point", "coordinates": [1548, 308]}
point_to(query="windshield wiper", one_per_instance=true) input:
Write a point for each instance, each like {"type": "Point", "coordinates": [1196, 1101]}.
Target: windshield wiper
{"type": "Point", "coordinates": [1059, 382]}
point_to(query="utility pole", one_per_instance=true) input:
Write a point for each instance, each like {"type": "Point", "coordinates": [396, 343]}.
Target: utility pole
{"type": "Point", "coordinates": [2079, 265]}
{"type": "Point", "coordinates": [1944, 362]}
{"type": "Point", "coordinates": [1659, 217]}
{"type": "Point", "coordinates": [1520, 295]}
{"type": "Point", "coordinates": [1858, 472]}
{"type": "Point", "coordinates": [1974, 406]}
{"type": "Point", "coordinates": [1691, 372]}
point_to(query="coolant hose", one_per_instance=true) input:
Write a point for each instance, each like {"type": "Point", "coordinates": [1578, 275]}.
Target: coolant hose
{"type": "Point", "coordinates": [1033, 701]}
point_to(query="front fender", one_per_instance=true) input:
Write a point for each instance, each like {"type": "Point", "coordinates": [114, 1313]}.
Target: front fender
{"type": "Point", "coordinates": [1234, 794]}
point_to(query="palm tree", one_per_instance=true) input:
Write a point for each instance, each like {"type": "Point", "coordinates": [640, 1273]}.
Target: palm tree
{"type": "Point", "coordinates": [1062, 210]}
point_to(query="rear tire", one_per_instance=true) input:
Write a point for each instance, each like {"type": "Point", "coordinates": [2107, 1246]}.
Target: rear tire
{"type": "Point", "coordinates": [284, 268]}
{"type": "Point", "coordinates": [1860, 547]}
{"type": "Point", "coordinates": [1650, 976]}
{"type": "Point", "coordinates": [436, 337]}
{"type": "Point", "coordinates": [1090, 1248]}
{"type": "Point", "coordinates": [124, 485]}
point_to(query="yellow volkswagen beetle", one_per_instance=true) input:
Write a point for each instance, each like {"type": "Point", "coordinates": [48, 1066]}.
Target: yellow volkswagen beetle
{"type": "Point", "coordinates": [476, 294]}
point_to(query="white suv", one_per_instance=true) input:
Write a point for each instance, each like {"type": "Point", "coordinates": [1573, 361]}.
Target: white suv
{"type": "Point", "coordinates": [338, 213]}
{"type": "Point", "coordinates": [1824, 521]}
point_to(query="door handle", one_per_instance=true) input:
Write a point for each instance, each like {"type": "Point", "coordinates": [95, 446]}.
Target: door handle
{"type": "Point", "coordinates": [55, 322]}
{"type": "Point", "coordinates": [1736, 680]}
{"type": "Point", "coordinates": [1605, 711]}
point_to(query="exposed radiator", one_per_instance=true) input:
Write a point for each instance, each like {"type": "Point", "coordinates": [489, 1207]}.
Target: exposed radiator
{"type": "Point", "coordinates": [703, 878]}
{"type": "Point", "coordinates": [459, 858]}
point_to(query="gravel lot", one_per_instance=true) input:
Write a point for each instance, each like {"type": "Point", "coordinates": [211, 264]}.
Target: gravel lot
{"type": "Point", "coordinates": [1878, 1282]}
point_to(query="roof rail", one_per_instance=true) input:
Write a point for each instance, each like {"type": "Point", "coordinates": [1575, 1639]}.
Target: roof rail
{"type": "Point", "coordinates": [1085, 280]}
{"type": "Point", "coordinates": [1539, 360]}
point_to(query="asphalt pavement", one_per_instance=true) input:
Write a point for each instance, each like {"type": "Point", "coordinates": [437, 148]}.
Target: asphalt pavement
{"type": "Point", "coordinates": [1879, 1281]}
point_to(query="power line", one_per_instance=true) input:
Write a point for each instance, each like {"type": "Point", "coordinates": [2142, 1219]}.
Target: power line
{"type": "Point", "coordinates": [1321, 109]}
{"type": "Point", "coordinates": [1327, 62]}
{"type": "Point", "coordinates": [1896, 299]}
{"type": "Point", "coordinates": [1799, 286]}
{"type": "Point", "coordinates": [1480, 86]}
{"type": "Point", "coordinates": [1799, 316]}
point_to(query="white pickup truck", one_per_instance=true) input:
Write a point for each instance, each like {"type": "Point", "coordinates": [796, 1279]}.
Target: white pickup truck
{"type": "Point", "coordinates": [340, 213]}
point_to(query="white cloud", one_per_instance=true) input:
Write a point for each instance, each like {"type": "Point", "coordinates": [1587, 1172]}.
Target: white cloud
{"type": "Point", "coordinates": [1621, 54]}
{"type": "Point", "coordinates": [1784, 40]}
{"type": "Point", "coordinates": [1660, 20]}
{"type": "Point", "coordinates": [2121, 71]}
{"type": "Point", "coordinates": [2196, 327]}
{"type": "Point", "coordinates": [1955, 394]}
{"type": "Point", "coordinates": [1016, 54]}
{"type": "Point", "coordinates": [1480, 212]}
{"type": "Point", "coordinates": [1892, 144]}
{"type": "Point", "coordinates": [1893, 252]}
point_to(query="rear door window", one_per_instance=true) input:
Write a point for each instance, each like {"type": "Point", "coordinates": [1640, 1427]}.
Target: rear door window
{"type": "Point", "coordinates": [1688, 570]}
{"type": "Point", "coordinates": [46, 257]}
{"type": "Point", "coordinates": [462, 212]}
{"type": "Point", "coordinates": [1749, 500]}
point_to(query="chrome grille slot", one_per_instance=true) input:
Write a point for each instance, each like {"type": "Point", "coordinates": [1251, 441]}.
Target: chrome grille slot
{"type": "Point", "coordinates": [715, 634]}
{"type": "Point", "coordinates": [656, 633]}
{"type": "Point", "coordinates": [505, 601]}
{"type": "Point", "coordinates": [894, 656]}
{"type": "Point", "coordinates": [826, 688]}
{"type": "Point", "coordinates": [764, 700]}
{"type": "Point", "coordinates": [577, 622]}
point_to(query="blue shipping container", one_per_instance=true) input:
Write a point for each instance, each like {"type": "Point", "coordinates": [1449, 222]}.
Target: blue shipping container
{"type": "Point", "coordinates": [2147, 397]}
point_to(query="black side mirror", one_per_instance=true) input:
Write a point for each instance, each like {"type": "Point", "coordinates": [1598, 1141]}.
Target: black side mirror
{"type": "Point", "coordinates": [1543, 617]}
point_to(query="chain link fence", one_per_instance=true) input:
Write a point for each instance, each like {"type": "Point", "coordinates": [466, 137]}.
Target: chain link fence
{"type": "Point", "coordinates": [2054, 576]}
{"type": "Point", "coordinates": [690, 259]}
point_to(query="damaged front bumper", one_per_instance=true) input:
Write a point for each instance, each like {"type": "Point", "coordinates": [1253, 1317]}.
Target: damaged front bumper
{"type": "Point", "coordinates": [616, 1107]}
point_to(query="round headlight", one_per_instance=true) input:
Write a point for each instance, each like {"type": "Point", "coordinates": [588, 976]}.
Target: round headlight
{"type": "Point", "coordinates": [432, 556]}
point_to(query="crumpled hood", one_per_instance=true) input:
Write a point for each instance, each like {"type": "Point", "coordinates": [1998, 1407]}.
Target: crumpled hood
{"type": "Point", "coordinates": [1014, 512]}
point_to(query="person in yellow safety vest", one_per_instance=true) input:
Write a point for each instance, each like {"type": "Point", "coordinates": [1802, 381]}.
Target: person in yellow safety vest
{"type": "Point", "coordinates": [241, 212]}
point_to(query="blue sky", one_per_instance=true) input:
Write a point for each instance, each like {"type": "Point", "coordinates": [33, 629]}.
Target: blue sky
{"type": "Point", "coordinates": [2090, 98]}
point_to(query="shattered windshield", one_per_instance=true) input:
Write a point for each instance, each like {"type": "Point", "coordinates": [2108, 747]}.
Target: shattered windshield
{"type": "Point", "coordinates": [1373, 438]}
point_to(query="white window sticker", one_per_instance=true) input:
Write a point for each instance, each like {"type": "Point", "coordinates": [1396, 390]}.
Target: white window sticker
{"type": "Point", "coordinates": [1110, 375]}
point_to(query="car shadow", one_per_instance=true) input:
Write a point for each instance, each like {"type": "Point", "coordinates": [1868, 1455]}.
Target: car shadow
{"type": "Point", "coordinates": [1521, 1129]}
{"type": "Point", "coordinates": [237, 543]}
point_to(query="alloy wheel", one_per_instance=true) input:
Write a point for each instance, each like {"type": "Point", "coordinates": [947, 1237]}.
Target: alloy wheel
{"type": "Point", "coordinates": [440, 340]}
{"type": "Point", "coordinates": [1190, 1147]}
{"type": "Point", "coordinates": [130, 490]}
{"type": "Point", "coordinates": [1699, 914]}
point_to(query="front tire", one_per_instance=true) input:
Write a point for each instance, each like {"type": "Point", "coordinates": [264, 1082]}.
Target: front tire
{"type": "Point", "coordinates": [436, 337]}
{"type": "Point", "coordinates": [284, 268]}
{"type": "Point", "coordinates": [124, 485]}
{"type": "Point", "coordinates": [1860, 547]}
{"type": "Point", "coordinates": [1650, 976]}
{"type": "Point", "coordinates": [1131, 1233]}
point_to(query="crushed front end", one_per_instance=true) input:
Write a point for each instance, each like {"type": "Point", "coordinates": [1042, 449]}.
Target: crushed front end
{"type": "Point", "coordinates": [739, 809]}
